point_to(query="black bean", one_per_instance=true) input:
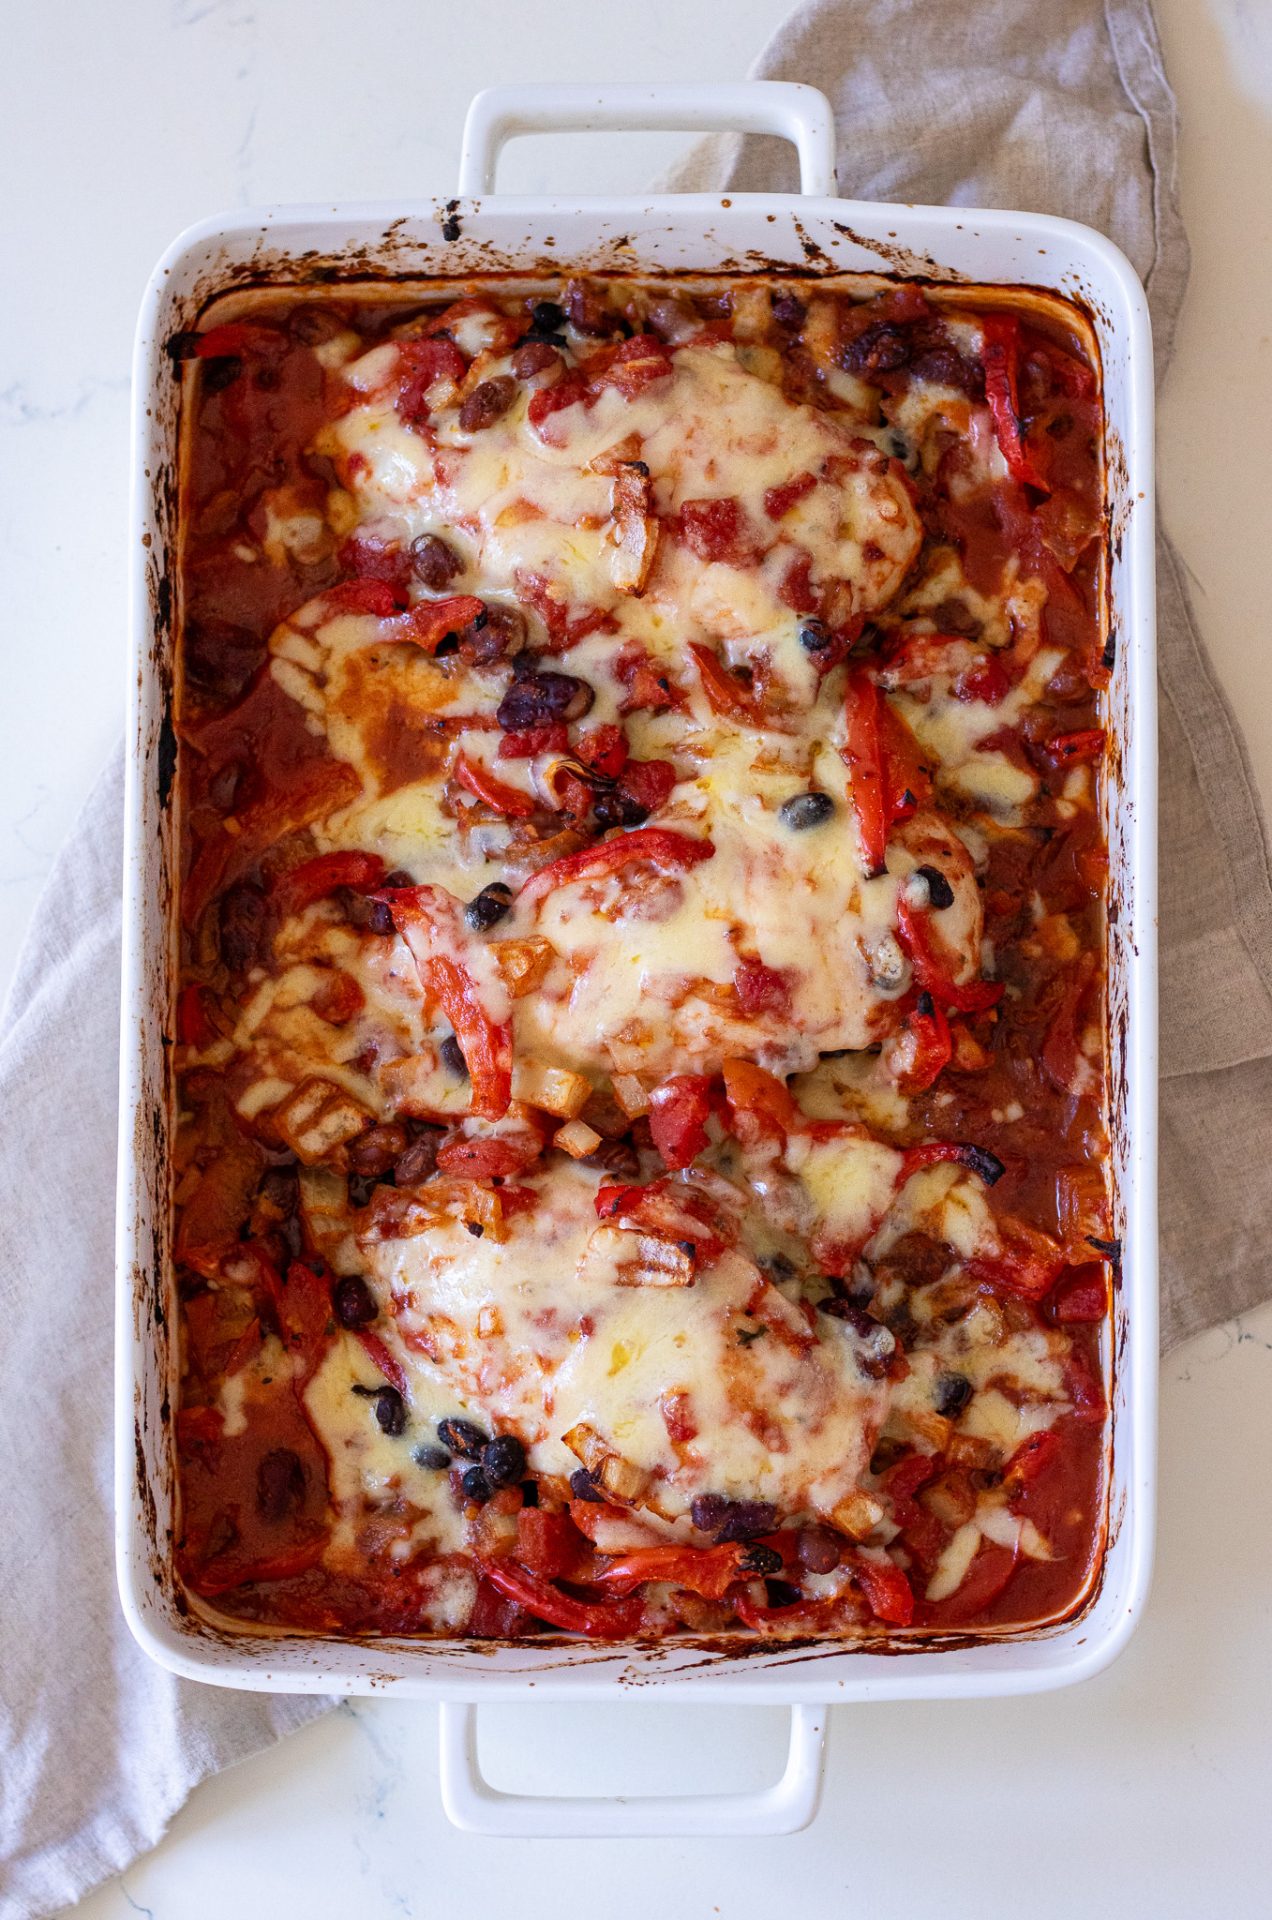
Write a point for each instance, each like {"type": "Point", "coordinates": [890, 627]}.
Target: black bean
{"type": "Point", "coordinates": [452, 1058]}
{"type": "Point", "coordinates": [503, 1460]}
{"type": "Point", "coordinates": [880, 349]}
{"type": "Point", "coordinates": [788, 309]}
{"type": "Point", "coordinates": [584, 1487]}
{"type": "Point", "coordinates": [529, 1493]}
{"type": "Point", "coordinates": [818, 1549]}
{"type": "Point", "coordinates": [360, 911]}
{"type": "Point", "coordinates": [708, 1511]}
{"type": "Point", "coordinates": [782, 1594]}
{"type": "Point", "coordinates": [804, 810]}
{"type": "Point", "coordinates": [390, 1411]}
{"type": "Point", "coordinates": [814, 636]}
{"type": "Point", "coordinates": [432, 1459]}
{"type": "Point", "coordinates": [419, 1160]}
{"type": "Point", "coordinates": [536, 699]}
{"type": "Point", "coordinates": [618, 809]}
{"type": "Point", "coordinates": [398, 878]}
{"type": "Point", "coordinates": [280, 1485]}
{"type": "Point", "coordinates": [546, 317]}
{"type": "Point", "coordinates": [488, 907]}
{"type": "Point", "coordinates": [353, 1301]}
{"type": "Point", "coordinates": [475, 1484]}
{"type": "Point", "coordinates": [487, 403]}
{"type": "Point", "coordinates": [222, 372]}
{"type": "Point", "coordinates": [462, 1437]}
{"type": "Point", "coordinates": [433, 562]}
{"type": "Point", "coordinates": [496, 634]}
{"type": "Point", "coordinates": [760, 1559]}
{"type": "Point", "coordinates": [951, 1394]}
{"type": "Point", "coordinates": [745, 1519]}
{"type": "Point", "coordinates": [242, 926]}
{"type": "Point", "coordinates": [534, 355]}
{"type": "Point", "coordinates": [940, 892]}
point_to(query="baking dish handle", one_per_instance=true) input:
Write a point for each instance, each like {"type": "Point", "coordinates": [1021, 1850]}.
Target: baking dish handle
{"type": "Point", "coordinates": [785, 1807]}
{"type": "Point", "coordinates": [782, 107]}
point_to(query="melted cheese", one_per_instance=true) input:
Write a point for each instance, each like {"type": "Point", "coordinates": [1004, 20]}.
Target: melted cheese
{"type": "Point", "coordinates": [540, 1334]}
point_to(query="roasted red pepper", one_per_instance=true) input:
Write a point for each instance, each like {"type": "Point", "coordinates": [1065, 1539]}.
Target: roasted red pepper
{"type": "Point", "coordinates": [430, 621]}
{"type": "Point", "coordinates": [428, 920]}
{"type": "Point", "coordinates": [888, 1593]}
{"type": "Point", "coordinates": [489, 1158]}
{"type": "Point", "coordinates": [726, 694]}
{"type": "Point", "coordinates": [678, 1111]}
{"type": "Point", "coordinates": [863, 752]}
{"type": "Point", "coordinates": [1000, 357]}
{"type": "Point", "coordinates": [316, 878]}
{"type": "Point", "coordinates": [931, 1045]}
{"type": "Point", "coordinates": [707, 1571]}
{"type": "Point", "coordinates": [496, 793]}
{"type": "Point", "coordinates": [595, 1619]}
{"type": "Point", "coordinates": [670, 852]}
{"type": "Point", "coordinates": [931, 969]}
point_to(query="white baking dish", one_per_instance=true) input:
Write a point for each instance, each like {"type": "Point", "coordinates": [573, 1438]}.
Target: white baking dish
{"type": "Point", "coordinates": [477, 234]}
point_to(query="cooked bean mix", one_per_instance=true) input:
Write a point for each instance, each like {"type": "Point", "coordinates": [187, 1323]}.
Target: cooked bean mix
{"type": "Point", "coordinates": [640, 1031]}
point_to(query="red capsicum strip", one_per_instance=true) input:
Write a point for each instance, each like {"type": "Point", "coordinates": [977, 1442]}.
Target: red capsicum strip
{"type": "Point", "coordinates": [1071, 749]}
{"type": "Point", "coordinates": [595, 1619]}
{"type": "Point", "coordinates": [933, 1046]}
{"type": "Point", "coordinates": [863, 753]}
{"type": "Point", "coordinates": [931, 970]}
{"type": "Point", "coordinates": [726, 695]}
{"type": "Point", "coordinates": [706, 1571]}
{"type": "Point", "coordinates": [425, 916]}
{"type": "Point", "coordinates": [230, 1570]}
{"type": "Point", "coordinates": [1000, 357]}
{"type": "Point", "coordinates": [494, 792]}
{"type": "Point", "coordinates": [672, 852]}
{"type": "Point", "coordinates": [315, 879]}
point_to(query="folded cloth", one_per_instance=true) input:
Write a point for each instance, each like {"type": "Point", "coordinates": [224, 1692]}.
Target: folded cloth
{"type": "Point", "coordinates": [1063, 109]}
{"type": "Point", "coordinates": [98, 1746]}
{"type": "Point", "coordinates": [1066, 109]}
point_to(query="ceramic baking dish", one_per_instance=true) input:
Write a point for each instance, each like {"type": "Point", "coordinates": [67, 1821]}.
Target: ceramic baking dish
{"type": "Point", "coordinates": [482, 234]}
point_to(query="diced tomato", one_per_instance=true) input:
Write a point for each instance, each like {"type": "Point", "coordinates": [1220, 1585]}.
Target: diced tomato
{"type": "Point", "coordinates": [761, 989]}
{"type": "Point", "coordinates": [595, 1619]}
{"type": "Point", "coordinates": [569, 391]}
{"type": "Point", "coordinates": [888, 1592]}
{"type": "Point", "coordinates": [1031, 1459]}
{"type": "Point", "coordinates": [315, 879]}
{"type": "Point", "coordinates": [932, 1045]}
{"type": "Point", "coordinates": [430, 621]}
{"type": "Point", "coordinates": [603, 749]}
{"type": "Point", "coordinates": [239, 337]}
{"type": "Point", "coordinates": [549, 1544]}
{"type": "Point", "coordinates": [1080, 1296]}
{"type": "Point", "coordinates": [988, 1576]}
{"type": "Point", "coordinates": [194, 1029]}
{"type": "Point", "coordinates": [486, 1159]}
{"type": "Point", "coordinates": [1061, 1051]}
{"type": "Point", "coordinates": [988, 680]}
{"type": "Point", "coordinates": [532, 741]}
{"type": "Point", "coordinates": [1072, 749]}
{"type": "Point", "coordinates": [716, 530]}
{"type": "Point", "coordinates": [1000, 357]}
{"type": "Point", "coordinates": [630, 365]}
{"type": "Point", "coordinates": [672, 1212]}
{"type": "Point", "coordinates": [337, 997]}
{"type": "Point", "coordinates": [1026, 1263]}
{"type": "Point", "coordinates": [647, 782]}
{"type": "Point", "coordinates": [378, 597]}
{"type": "Point", "coordinates": [779, 500]}
{"type": "Point", "coordinates": [863, 753]}
{"type": "Point", "coordinates": [426, 364]}
{"type": "Point", "coordinates": [707, 1571]}
{"type": "Point", "coordinates": [302, 1304]}
{"type": "Point", "coordinates": [372, 559]}
{"type": "Point", "coordinates": [678, 1111]}
{"type": "Point", "coordinates": [726, 694]}
{"type": "Point", "coordinates": [799, 594]}
{"type": "Point", "coordinates": [479, 780]}
{"type": "Point", "coordinates": [494, 1616]}
{"type": "Point", "coordinates": [670, 852]}
{"type": "Point", "coordinates": [931, 969]}
{"type": "Point", "coordinates": [1083, 1389]}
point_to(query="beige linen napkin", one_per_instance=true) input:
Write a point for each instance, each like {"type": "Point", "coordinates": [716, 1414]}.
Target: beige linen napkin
{"type": "Point", "coordinates": [1065, 108]}
{"type": "Point", "coordinates": [1062, 108]}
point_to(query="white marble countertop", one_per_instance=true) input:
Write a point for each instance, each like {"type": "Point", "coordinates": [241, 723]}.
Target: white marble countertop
{"type": "Point", "coordinates": [1144, 1792]}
